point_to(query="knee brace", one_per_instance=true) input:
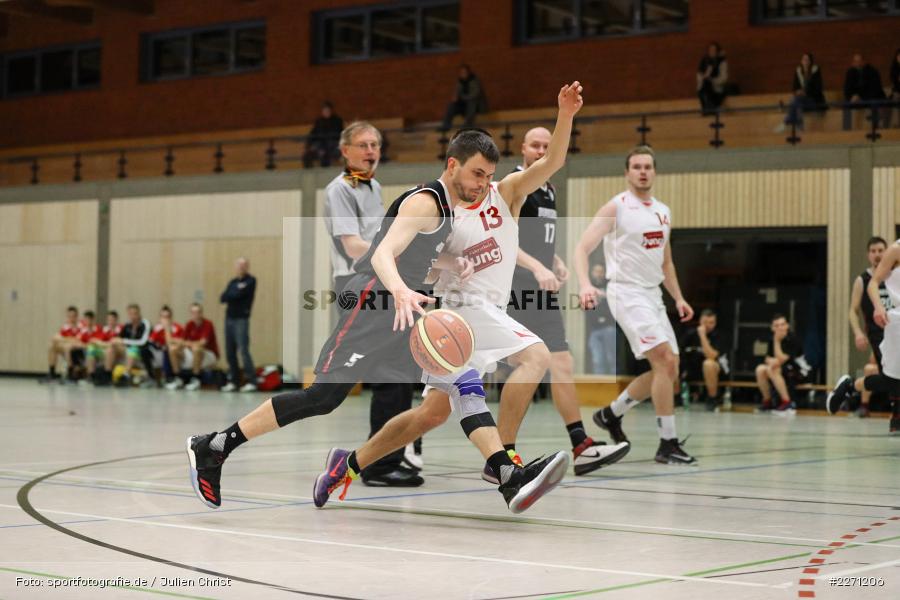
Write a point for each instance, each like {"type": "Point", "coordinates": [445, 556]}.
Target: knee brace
{"type": "Point", "coordinates": [467, 400]}
{"type": "Point", "coordinates": [318, 399]}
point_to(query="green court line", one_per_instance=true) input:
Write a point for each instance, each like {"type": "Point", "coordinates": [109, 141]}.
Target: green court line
{"type": "Point", "coordinates": [121, 587]}
{"type": "Point", "coordinates": [706, 572]}
{"type": "Point", "coordinates": [527, 521]}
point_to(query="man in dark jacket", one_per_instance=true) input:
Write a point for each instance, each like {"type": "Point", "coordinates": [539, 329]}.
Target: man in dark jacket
{"type": "Point", "coordinates": [861, 84]}
{"type": "Point", "coordinates": [239, 298]}
{"type": "Point", "coordinates": [468, 100]}
{"type": "Point", "coordinates": [322, 144]}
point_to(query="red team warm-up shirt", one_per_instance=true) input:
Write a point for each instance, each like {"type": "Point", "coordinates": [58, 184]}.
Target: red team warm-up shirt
{"type": "Point", "coordinates": [70, 331]}
{"type": "Point", "coordinates": [86, 334]}
{"type": "Point", "coordinates": [158, 335]}
{"type": "Point", "coordinates": [107, 333]}
{"type": "Point", "coordinates": [203, 331]}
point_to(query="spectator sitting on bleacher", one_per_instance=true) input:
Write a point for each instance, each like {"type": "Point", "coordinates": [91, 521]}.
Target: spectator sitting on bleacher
{"type": "Point", "coordinates": [705, 356]}
{"type": "Point", "coordinates": [87, 331]}
{"type": "Point", "coordinates": [808, 92]}
{"type": "Point", "coordinates": [198, 351]}
{"type": "Point", "coordinates": [99, 344]}
{"type": "Point", "coordinates": [468, 100]}
{"type": "Point", "coordinates": [782, 352]}
{"type": "Point", "coordinates": [166, 336]}
{"type": "Point", "coordinates": [61, 345]}
{"type": "Point", "coordinates": [712, 77]}
{"type": "Point", "coordinates": [134, 344]}
{"type": "Point", "coordinates": [322, 144]}
{"type": "Point", "coordinates": [861, 84]}
{"type": "Point", "coordinates": [895, 89]}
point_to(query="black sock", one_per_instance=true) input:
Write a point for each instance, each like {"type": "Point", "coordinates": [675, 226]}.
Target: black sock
{"type": "Point", "coordinates": [497, 461]}
{"type": "Point", "coordinates": [576, 433]}
{"type": "Point", "coordinates": [227, 440]}
{"type": "Point", "coordinates": [509, 447]}
{"type": "Point", "coordinates": [353, 463]}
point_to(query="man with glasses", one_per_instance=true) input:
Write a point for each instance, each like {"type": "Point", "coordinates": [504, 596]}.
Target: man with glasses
{"type": "Point", "coordinates": [353, 214]}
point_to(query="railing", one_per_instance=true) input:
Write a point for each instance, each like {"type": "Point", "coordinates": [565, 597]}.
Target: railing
{"type": "Point", "coordinates": [269, 157]}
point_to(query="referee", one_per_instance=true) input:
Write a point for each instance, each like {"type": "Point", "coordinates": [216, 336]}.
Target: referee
{"type": "Point", "coordinates": [353, 215]}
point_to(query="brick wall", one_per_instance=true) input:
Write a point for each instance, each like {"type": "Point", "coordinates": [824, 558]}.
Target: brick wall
{"type": "Point", "coordinates": [288, 91]}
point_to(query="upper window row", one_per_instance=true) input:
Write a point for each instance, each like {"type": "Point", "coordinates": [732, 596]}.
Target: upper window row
{"type": "Point", "coordinates": [554, 20]}
{"type": "Point", "coordinates": [814, 10]}
{"type": "Point", "coordinates": [51, 70]}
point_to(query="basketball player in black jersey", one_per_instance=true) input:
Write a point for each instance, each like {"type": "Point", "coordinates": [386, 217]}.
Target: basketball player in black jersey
{"type": "Point", "coordinates": [870, 336]}
{"type": "Point", "coordinates": [534, 303]}
{"type": "Point", "coordinates": [410, 239]}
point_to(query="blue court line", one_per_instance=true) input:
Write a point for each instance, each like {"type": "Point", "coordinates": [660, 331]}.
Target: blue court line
{"type": "Point", "coordinates": [571, 483]}
{"type": "Point", "coordinates": [124, 489]}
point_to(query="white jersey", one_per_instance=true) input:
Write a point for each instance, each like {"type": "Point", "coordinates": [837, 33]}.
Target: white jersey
{"type": "Point", "coordinates": [488, 235]}
{"type": "Point", "coordinates": [892, 283]}
{"type": "Point", "coordinates": [635, 247]}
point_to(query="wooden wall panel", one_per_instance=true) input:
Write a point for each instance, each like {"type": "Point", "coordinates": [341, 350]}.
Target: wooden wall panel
{"type": "Point", "coordinates": [180, 249]}
{"type": "Point", "coordinates": [48, 260]}
{"type": "Point", "coordinates": [885, 201]}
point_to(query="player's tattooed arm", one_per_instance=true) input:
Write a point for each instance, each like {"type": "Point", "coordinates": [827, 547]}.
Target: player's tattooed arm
{"type": "Point", "coordinates": [516, 186]}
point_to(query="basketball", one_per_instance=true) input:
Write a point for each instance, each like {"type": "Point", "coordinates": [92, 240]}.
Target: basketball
{"type": "Point", "coordinates": [441, 342]}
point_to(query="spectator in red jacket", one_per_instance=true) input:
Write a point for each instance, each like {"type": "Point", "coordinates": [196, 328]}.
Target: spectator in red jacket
{"type": "Point", "coordinates": [198, 351]}
{"type": "Point", "coordinates": [62, 344]}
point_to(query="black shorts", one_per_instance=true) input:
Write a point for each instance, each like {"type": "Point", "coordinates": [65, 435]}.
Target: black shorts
{"type": "Point", "coordinates": [542, 316]}
{"type": "Point", "coordinates": [875, 340]}
{"type": "Point", "coordinates": [363, 345]}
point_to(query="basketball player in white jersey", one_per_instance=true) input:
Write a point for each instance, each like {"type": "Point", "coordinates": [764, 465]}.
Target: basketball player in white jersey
{"type": "Point", "coordinates": [635, 228]}
{"type": "Point", "coordinates": [888, 271]}
{"type": "Point", "coordinates": [487, 234]}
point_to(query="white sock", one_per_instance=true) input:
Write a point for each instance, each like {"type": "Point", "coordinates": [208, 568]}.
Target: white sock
{"type": "Point", "coordinates": [623, 404]}
{"type": "Point", "coordinates": [666, 427]}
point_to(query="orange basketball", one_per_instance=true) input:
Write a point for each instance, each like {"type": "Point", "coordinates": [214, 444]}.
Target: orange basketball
{"type": "Point", "coordinates": [441, 342]}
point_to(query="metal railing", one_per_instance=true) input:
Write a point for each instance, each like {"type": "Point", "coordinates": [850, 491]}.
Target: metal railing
{"type": "Point", "coordinates": [270, 158]}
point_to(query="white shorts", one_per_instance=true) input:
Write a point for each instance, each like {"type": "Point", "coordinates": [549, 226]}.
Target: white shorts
{"type": "Point", "coordinates": [209, 360]}
{"type": "Point", "coordinates": [890, 346]}
{"type": "Point", "coordinates": [641, 314]}
{"type": "Point", "coordinates": [497, 336]}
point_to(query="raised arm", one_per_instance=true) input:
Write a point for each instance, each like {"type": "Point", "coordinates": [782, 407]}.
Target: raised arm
{"type": "Point", "coordinates": [417, 214]}
{"type": "Point", "coordinates": [516, 186]}
{"type": "Point", "coordinates": [602, 223]}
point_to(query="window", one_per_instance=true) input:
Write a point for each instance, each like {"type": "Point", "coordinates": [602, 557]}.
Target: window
{"type": "Point", "coordinates": [372, 32]}
{"type": "Point", "coordinates": [813, 10]}
{"type": "Point", "coordinates": [557, 20]}
{"type": "Point", "coordinates": [218, 50]}
{"type": "Point", "coordinates": [51, 70]}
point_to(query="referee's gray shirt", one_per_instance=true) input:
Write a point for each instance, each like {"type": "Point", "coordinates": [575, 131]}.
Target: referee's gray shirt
{"type": "Point", "coordinates": [351, 211]}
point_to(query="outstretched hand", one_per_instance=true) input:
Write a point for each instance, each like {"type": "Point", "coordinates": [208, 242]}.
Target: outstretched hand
{"type": "Point", "coordinates": [570, 100]}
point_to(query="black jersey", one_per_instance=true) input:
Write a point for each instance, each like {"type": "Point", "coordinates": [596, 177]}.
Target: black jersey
{"type": "Point", "coordinates": [868, 309]}
{"type": "Point", "coordinates": [415, 261]}
{"type": "Point", "coordinates": [537, 232]}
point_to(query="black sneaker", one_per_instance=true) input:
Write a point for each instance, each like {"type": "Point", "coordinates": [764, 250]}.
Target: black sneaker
{"type": "Point", "coordinates": [605, 419]}
{"type": "Point", "coordinates": [671, 453]}
{"type": "Point", "coordinates": [895, 425]}
{"type": "Point", "coordinates": [205, 469]}
{"type": "Point", "coordinates": [528, 484]}
{"type": "Point", "coordinates": [398, 477]}
{"type": "Point", "coordinates": [839, 395]}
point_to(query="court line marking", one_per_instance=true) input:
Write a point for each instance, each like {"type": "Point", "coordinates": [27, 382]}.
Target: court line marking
{"type": "Point", "coordinates": [550, 520]}
{"type": "Point", "coordinates": [469, 557]}
{"type": "Point", "coordinates": [864, 569]}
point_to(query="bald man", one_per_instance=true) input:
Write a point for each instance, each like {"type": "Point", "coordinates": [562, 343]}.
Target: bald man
{"type": "Point", "coordinates": [238, 296]}
{"type": "Point", "coordinates": [539, 274]}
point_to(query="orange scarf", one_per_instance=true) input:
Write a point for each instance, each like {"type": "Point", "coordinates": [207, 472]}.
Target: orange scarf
{"type": "Point", "coordinates": [355, 177]}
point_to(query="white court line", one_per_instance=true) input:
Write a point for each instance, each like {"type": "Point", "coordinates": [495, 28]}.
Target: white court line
{"type": "Point", "coordinates": [889, 563]}
{"type": "Point", "coordinates": [526, 563]}
{"type": "Point", "coordinates": [612, 524]}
